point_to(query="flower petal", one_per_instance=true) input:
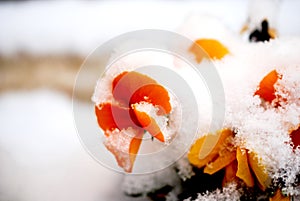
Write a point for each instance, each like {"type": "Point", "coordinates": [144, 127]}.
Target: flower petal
{"type": "Point", "coordinates": [154, 94]}
{"type": "Point", "coordinates": [222, 161]}
{"type": "Point", "coordinates": [127, 83]}
{"type": "Point", "coordinates": [110, 117]}
{"type": "Point", "coordinates": [207, 148]}
{"type": "Point", "coordinates": [243, 171]}
{"type": "Point", "coordinates": [295, 136]}
{"type": "Point", "coordinates": [213, 48]}
{"type": "Point", "coordinates": [266, 89]}
{"type": "Point", "coordinates": [259, 170]}
{"type": "Point", "coordinates": [149, 124]}
{"type": "Point", "coordinates": [135, 146]}
{"type": "Point", "coordinates": [230, 173]}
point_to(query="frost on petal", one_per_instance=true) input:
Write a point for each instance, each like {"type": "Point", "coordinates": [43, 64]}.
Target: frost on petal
{"type": "Point", "coordinates": [156, 125]}
{"type": "Point", "coordinates": [124, 145]}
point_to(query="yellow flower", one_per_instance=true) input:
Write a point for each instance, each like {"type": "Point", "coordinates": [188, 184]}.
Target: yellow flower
{"type": "Point", "coordinates": [217, 152]}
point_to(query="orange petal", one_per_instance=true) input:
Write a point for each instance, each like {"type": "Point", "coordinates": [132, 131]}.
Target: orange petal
{"type": "Point", "coordinates": [149, 124]}
{"type": "Point", "coordinates": [243, 171]}
{"type": "Point", "coordinates": [295, 136]}
{"type": "Point", "coordinates": [213, 48]}
{"type": "Point", "coordinates": [222, 161]}
{"type": "Point", "coordinates": [110, 117]}
{"type": "Point", "coordinates": [266, 88]}
{"type": "Point", "coordinates": [134, 147]}
{"type": "Point", "coordinates": [154, 94]}
{"type": "Point", "coordinates": [230, 173]}
{"type": "Point", "coordinates": [124, 145]}
{"type": "Point", "coordinates": [125, 85]}
{"type": "Point", "coordinates": [259, 170]}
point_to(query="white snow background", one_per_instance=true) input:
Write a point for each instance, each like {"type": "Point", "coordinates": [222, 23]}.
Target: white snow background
{"type": "Point", "coordinates": [41, 158]}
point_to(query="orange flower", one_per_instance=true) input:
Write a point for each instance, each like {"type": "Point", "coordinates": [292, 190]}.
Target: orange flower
{"type": "Point", "coordinates": [215, 152]}
{"type": "Point", "coordinates": [125, 121]}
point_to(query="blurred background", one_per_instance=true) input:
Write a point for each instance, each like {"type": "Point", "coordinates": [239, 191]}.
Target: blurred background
{"type": "Point", "coordinates": [42, 47]}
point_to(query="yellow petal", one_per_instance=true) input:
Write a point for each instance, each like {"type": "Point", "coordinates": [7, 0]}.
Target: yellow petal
{"type": "Point", "coordinates": [207, 148]}
{"type": "Point", "coordinates": [230, 172]}
{"type": "Point", "coordinates": [243, 171]}
{"type": "Point", "coordinates": [222, 161]}
{"type": "Point", "coordinates": [210, 47]}
{"type": "Point", "coordinates": [259, 171]}
{"type": "Point", "coordinates": [194, 153]}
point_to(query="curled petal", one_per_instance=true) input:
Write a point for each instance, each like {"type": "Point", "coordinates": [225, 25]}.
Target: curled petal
{"type": "Point", "coordinates": [127, 83]}
{"type": "Point", "coordinates": [154, 94]}
{"type": "Point", "coordinates": [243, 171]}
{"type": "Point", "coordinates": [149, 124]}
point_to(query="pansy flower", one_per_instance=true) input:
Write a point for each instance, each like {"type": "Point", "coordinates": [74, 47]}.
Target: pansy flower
{"type": "Point", "coordinates": [139, 105]}
{"type": "Point", "coordinates": [215, 152]}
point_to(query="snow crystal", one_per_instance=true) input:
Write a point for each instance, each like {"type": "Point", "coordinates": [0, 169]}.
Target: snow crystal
{"type": "Point", "coordinates": [228, 193]}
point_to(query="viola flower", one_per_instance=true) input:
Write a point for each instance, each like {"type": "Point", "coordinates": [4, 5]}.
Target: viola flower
{"type": "Point", "coordinates": [213, 49]}
{"type": "Point", "coordinates": [217, 152]}
{"type": "Point", "coordinates": [139, 105]}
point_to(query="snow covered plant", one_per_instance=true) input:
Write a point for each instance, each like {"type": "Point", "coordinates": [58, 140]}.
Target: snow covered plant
{"type": "Point", "coordinates": [138, 105]}
{"type": "Point", "coordinates": [254, 155]}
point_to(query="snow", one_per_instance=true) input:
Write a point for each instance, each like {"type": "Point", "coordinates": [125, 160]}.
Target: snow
{"type": "Point", "coordinates": [228, 193]}
{"type": "Point", "coordinates": [40, 153]}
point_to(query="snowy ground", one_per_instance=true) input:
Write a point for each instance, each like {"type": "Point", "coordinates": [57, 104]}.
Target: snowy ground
{"type": "Point", "coordinates": [41, 156]}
